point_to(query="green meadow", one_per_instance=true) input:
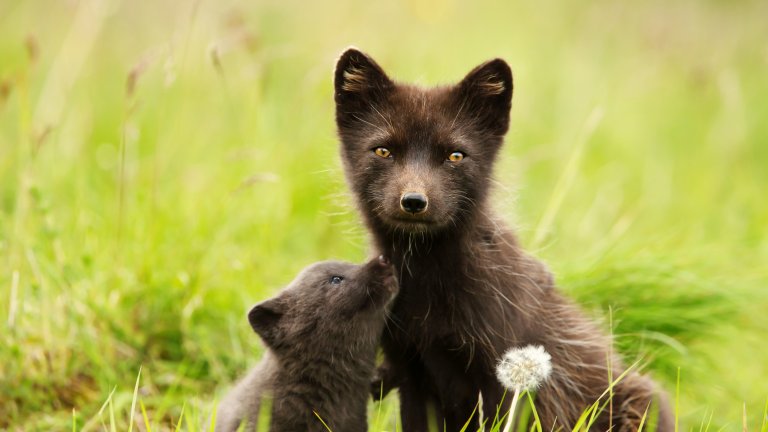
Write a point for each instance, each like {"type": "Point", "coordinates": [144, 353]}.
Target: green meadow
{"type": "Point", "coordinates": [164, 165]}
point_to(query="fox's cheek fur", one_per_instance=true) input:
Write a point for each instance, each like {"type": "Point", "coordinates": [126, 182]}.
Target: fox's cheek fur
{"type": "Point", "coordinates": [450, 192]}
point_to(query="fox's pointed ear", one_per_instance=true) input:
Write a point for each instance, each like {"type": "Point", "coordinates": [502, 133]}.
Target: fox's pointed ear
{"type": "Point", "coordinates": [358, 83]}
{"type": "Point", "coordinates": [486, 92]}
{"type": "Point", "coordinates": [265, 320]}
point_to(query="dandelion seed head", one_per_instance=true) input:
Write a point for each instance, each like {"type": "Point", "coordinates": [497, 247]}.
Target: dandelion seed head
{"type": "Point", "coordinates": [525, 368]}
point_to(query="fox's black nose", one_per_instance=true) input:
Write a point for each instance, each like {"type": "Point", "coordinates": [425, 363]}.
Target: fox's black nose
{"type": "Point", "coordinates": [413, 202]}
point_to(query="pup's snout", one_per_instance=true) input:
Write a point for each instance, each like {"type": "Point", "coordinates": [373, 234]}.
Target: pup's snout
{"type": "Point", "coordinates": [413, 203]}
{"type": "Point", "coordinates": [381, 271]}
{"type": "Point", "coordinates": [381, 265]}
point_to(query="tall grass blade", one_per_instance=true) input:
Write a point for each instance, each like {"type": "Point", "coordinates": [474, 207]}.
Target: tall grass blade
{"type": "Point", "coordinates": [145, 417]}
{"type": "Point", "coordinates": [642, 420]}
{"type": "Point", "coordinates": [744, 418]}
{"type": "Point", "coordinates": [212, 423]}
{"type": "Point", "coordinates": [709, 421]}
{"type": "Point", "coordinates": [98, 417]}
{"type": "Point", "coordinates": [597, 412]}
{"type": "Point", "coordinates": [181, 417]}
{"type": "Point", "coordinates": [322, 421]}
{"type": "Point", "coordinates": [112, 422]}
{"type": "Point", "coordinates": [536, 420]}
{"type": "Point", "coordinates": [652, 413]}
{"type": "Point", "coordinates": [524, 415]}
{"type": "Point", "coordinates": [677, 400]}
{"type": "Point", "coordinates": [133, 401]}
{"type": "Point", "coordinates": [471, 416]}
{"type": "Point", "coordinates": [480, 410]}
{"type": "Point", "coordinates": [378, 408]}
{"type": "Point", "coordinates": [610, 370]}
{"type": "Point", "coordinates": [192, 422]}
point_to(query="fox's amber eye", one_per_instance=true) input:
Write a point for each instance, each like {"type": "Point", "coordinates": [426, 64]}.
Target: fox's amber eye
{"type": "Point", "coordinates": [456, 156]}
{"type": "Point", "coordinates": [382, 152]}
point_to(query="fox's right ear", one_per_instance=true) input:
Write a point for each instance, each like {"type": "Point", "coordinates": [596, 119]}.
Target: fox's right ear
{"type": "Point", "coordinates": [487, 93]}
{"type": "Point", "coordinates": [265, 320]}
{"type": "Point", "coordinates": [358, 82]}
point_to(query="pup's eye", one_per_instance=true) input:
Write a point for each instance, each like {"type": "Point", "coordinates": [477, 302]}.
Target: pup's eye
{"type": "Point", "coordinates": [382, 152]}
{"type": "Point", "coordinates": [456, 156]}
{"type": "Point", "coordinates": [335, 280]}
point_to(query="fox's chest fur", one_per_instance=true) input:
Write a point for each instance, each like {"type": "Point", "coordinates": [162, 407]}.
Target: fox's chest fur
{"type": "Point", "coordinates": [470, 294]}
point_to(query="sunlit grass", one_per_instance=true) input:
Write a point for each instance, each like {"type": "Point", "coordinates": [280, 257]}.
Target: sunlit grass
{"type": "Point", "coordinates": [163, 166]}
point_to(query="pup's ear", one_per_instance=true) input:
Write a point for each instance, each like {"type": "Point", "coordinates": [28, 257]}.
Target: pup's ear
{"type": "Point", "coordinates": [486, 93]}
{"type": "Point", "coordinates": [265, 320]}
{"type": "Point", "coordinates": [358, 83]}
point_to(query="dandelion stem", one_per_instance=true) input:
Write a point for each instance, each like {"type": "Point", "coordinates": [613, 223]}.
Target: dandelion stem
{"type": "Point", "coordinates": [511, 415]}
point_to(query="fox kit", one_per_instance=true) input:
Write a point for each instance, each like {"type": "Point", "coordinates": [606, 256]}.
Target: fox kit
{"type": "Point", "coordinates": [419, 162]}
{"type": "Point", "coordinates": [321, 334]}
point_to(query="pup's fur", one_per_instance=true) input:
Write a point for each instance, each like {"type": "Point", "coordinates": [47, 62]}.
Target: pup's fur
{"type": "Point", "coordinates": [468, 291]}
{"type": "Point", "coordinates": [321, 343]}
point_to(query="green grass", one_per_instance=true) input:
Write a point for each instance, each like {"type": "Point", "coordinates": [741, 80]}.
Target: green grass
{"type": "Point", "coordinates": [165, 165]}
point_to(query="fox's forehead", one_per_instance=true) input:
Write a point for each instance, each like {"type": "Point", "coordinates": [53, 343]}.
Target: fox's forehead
{"type": "Point", "coordinates": [323, 269]}
{"type": "Point", "coordinates": [432, 105]}
{"type": "Point", "coordinates": [412, 114]}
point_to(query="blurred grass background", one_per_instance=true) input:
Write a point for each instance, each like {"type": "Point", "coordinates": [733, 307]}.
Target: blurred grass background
{"type": "Point", "coordinates": [164, 165]}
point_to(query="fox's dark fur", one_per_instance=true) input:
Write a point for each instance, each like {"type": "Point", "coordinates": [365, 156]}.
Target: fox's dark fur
{"type": "Point", "coordinates": [468, 291]}
{"type": "Point", "coordinates": [321, 340]}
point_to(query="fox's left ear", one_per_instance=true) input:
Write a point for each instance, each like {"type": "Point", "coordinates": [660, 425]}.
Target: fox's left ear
{"type": "Point", "coordinates": [265, 319]}
{"type": "Point", "coordinates": [358, 83]}
{"type": "Point", "coordinates": [486, 92]}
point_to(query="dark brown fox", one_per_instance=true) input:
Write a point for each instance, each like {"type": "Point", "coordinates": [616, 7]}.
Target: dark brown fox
{"type": "Point", "coordinates": [322, 333]}
{"type": "Point", "coordinates": [419, 161]}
